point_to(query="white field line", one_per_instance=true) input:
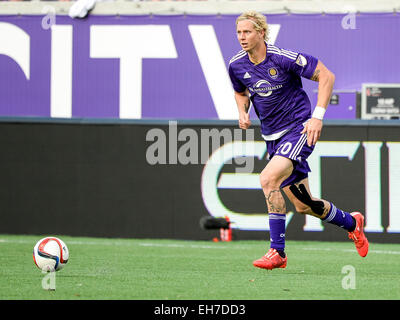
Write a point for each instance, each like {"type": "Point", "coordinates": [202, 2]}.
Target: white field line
{"type": "Point", "coordinates": [192, 246]}
{"type": "Point", "coordinates": [247, 247]}
{"type": "Point", "coordinates": [120, 243]}
{"type": "Point", "coordinates": [195, 246]}
{"type": "Point", "coordinates": [90, 243]}
{"type": "Point", "coordinates": [352, 250]}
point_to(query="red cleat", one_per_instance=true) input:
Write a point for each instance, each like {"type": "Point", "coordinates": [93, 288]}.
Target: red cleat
{"type": "Point", "coordinates": [271, 260]}
{"type": "Point", "coordinates": [358, 236]}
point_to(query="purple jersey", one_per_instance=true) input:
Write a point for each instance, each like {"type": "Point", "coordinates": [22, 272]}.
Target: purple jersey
{"type": "Point", "coordinates": [275, 87]}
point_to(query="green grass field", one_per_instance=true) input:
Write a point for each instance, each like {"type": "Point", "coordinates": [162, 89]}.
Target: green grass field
{"type": "Point", "coordinates": [149, 269]}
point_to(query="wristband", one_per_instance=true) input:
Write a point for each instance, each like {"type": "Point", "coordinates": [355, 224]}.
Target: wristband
{"type": "Point", "coordinates": [319, 113]}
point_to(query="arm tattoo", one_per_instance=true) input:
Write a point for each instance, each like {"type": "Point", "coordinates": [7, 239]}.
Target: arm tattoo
{"type": "Point", "coordinates": [315, 76]}
{"type": "Point", "coordinates": [246, 107]}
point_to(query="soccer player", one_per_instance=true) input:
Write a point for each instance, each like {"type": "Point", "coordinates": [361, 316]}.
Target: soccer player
{"type": "Point", "coordinates": [270, 78]}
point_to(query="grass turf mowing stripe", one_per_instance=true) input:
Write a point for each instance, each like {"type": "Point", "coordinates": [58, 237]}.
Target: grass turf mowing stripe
{"type": "Point", "coordinates": [194, 246]}
{"type": "Point", "coordinates": [201, 270]}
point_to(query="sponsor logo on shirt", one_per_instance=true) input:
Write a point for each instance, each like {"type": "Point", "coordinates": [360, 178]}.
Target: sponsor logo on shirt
{"type": "Point", "coordinates": [301, 61]}
{"type": "Point", "coordinates": [263, 88]}
{"type": "Point", "coordinates": [246, 76]}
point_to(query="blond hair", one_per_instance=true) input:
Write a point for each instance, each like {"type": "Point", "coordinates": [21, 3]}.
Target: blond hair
{"type": "Point", "coordinates": [259, 21]}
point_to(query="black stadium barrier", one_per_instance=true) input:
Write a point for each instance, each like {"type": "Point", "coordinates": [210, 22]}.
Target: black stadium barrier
{"type": "Point", "coordinates": [154, 179]}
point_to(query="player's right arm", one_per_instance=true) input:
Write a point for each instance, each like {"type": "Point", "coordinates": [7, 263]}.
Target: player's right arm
{"type": "Point", "coordinates": [242, 96]}
{"type": "Point", "coordinates": [243, 104]}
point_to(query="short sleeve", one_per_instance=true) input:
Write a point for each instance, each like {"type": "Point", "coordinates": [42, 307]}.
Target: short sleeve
{"type": "Point", "coordinates": [300, 63]}
{"type": "Point", "coordinates": [238, 86]}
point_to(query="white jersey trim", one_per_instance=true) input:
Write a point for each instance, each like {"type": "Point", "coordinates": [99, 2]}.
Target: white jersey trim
{"type": "Point", "coordinates": [274, 136]}
{"type": "Point", "coordinates": [239, 55]}
{"type": "Point", "coordinates": [282, 52]}
{"type": "Point", "coordinates": [297, 148]}
{"type": "Point", "coordinates": [279, 134]}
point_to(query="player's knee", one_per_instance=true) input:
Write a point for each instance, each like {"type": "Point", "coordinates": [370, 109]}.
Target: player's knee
{"type": "Point", "coordinates": [269, 182]}
{"type": "Point", "coordinates": [303, 209]}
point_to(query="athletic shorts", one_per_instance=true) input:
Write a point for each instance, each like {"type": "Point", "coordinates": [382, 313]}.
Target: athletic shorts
{"type": "Point", "coordinates": [292, 145]}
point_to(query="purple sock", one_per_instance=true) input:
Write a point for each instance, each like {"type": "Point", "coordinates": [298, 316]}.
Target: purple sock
{"type": "Point", "coordinates": [340, 218]}
{"type": "Point", "coordinates": [277, 230]}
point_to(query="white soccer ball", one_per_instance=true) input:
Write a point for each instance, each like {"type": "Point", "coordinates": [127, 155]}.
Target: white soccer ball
{"type": "Point", "coordinates": [50, 254]}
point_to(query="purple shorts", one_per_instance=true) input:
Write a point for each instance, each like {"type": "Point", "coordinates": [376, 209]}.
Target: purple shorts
{"type": "Point", "coordinates": [292, 145]}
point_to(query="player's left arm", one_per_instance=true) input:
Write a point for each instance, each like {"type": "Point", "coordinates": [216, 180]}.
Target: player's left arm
{"type": "Point", "coordinates": [326, 80]}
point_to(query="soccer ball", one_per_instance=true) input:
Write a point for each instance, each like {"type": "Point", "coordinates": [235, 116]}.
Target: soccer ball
{"type": "Point", "coordinates": [50, 254]}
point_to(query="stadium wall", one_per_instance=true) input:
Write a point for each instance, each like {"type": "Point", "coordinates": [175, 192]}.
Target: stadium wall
{"type": "Point", "coordinates": [157, 179]}
{"type": "Point", "coordinates": [85, 168]}
{"type": "Point", "coordinates": [174, 66]}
